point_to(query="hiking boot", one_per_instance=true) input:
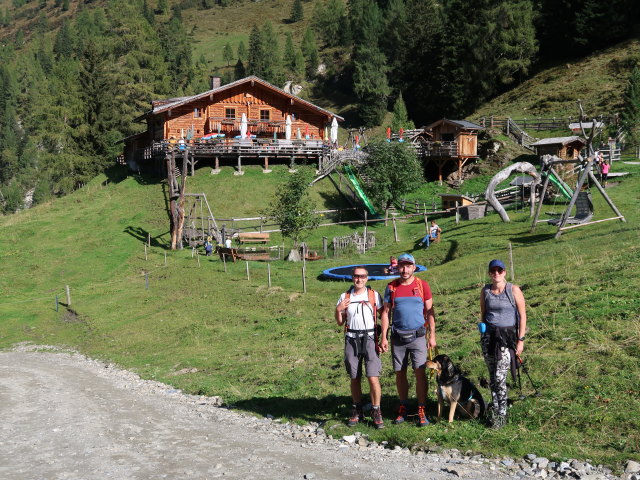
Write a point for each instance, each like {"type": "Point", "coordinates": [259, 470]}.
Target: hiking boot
{"type": "Point", "coordinates": [402, 414]}
{"type": "Point", "coordinates": [376, 415]}
{"type": "Point", "coordinates": [356, 416]}
{"type": "Point", "coordinates": [422, 417]}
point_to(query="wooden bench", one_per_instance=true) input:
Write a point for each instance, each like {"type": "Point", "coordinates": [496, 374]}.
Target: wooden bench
{"type": "Point", "coordinates": [228, 252]}
{"type": "Point", "coordinates": [253, 237]}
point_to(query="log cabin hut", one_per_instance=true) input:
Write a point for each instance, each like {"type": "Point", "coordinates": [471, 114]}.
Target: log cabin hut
{"type": "Point", "coordinates": [450, 142]}
{"type": "Point", "coordinates": [566, 148]}
{"type": "Point", "coordinates": [210, 125]}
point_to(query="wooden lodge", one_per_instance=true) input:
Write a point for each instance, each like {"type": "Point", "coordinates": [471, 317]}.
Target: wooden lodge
{"type": "Point", "coordinates": [449, 141]}
{"type": "Point", "coordinates": [565, 148]}
{"type": "Point", "coordinates": [248, 119]}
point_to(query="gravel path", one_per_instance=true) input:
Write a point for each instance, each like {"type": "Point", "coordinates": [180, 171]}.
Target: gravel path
{"type": "Point", "coordinates": [65, 416]}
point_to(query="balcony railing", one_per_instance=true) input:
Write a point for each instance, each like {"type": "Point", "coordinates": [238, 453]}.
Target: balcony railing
{"type": "Point", "coordinates": [242, 146]}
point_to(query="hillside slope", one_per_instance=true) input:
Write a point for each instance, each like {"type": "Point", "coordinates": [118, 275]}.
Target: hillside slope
{"type": "Point", "coordinates": [277, 351]}
{"type": "Point", "coordinates": [598, 81]}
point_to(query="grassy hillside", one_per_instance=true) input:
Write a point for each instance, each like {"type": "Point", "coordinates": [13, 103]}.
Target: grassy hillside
{"type": "Point", "coordinates": [598, 81]}
{"type": "Point", "coordinates": [278, 351]}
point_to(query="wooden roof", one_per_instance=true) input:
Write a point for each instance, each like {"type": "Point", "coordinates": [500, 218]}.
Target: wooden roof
{"type": "Point", "coordinates": [463, 124]}
{"type": "Point", "coordinates": [160, 106]}
{"type": "Point", "coordinates": [559, 141]}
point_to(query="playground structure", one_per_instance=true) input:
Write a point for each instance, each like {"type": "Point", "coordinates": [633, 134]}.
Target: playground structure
{"type": "Point", "coordinates": [376, 272]}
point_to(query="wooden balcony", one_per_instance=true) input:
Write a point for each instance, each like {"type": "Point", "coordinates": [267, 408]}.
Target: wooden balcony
{"type": "Point", "coordinates": [439, 149]}
{"type": "Point", "coordinates": [239, 147]}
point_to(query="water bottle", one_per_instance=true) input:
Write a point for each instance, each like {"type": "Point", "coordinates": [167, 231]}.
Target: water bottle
{"type": "Point", "coordinates": [482, 328]}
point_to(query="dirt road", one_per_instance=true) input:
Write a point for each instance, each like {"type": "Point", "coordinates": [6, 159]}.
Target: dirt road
{"type": "Point", "coordinates": [65, 416]}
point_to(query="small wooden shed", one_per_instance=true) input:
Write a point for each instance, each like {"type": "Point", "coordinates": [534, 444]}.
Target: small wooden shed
{"type": "Point", "coordinates": [566, 148]}
{"type": "Point", "coordinates": [449, 200]}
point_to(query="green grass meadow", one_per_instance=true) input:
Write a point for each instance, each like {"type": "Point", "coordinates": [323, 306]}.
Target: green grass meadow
{"type": "Point", "coordinates": [278, 350]}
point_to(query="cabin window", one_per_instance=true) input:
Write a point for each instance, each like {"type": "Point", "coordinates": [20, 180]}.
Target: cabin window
{"type": "Point", "coordinates": [230, 113]}
{"type": "Point", "coordinates": [265, 115]}
{"type": "Point", "coordinates": [197, 113]}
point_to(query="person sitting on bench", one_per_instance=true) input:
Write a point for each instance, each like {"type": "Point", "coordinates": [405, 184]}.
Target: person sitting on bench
{"type": "Point", "coordinates": [433, 235]}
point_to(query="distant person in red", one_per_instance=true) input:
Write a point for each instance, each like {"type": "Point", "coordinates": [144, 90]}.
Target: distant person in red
{"type": "Point", "coordinates": [605, 172]}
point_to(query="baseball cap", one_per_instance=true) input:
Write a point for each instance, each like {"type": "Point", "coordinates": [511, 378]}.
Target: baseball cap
{"type": "Point", "coordinates": [496, 264]}
{"type": "Point", "coordinates": [406, 258]}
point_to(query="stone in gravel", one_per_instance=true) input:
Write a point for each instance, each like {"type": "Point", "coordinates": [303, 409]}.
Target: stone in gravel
{"type": "Point", "coordinates": [349, 438]}
{"type": "Point", "coordinates": [507, 462]}
{"type": "Point", "coordinates": [632, 467]}
{"type": "Point", "coordinates": [530, 456]}
{"type": "Point", "coordinates": [542, 462]}
{"type": "Point", "coordinates": [309, 476]}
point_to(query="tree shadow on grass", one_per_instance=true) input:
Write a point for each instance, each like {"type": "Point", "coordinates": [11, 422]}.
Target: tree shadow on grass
{"type": "Point", "coordinates": [532, 238]}
{"type": "Point", "coordinates": [142, 235]}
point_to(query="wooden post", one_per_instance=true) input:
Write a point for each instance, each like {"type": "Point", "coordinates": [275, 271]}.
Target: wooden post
{"type": "Point", "coordinates": [165, 259]}
{"type": "Point", "coordinates": [304, 279]}
{"type": "Point", "coordinates": [149, 239]}
{"type": "Point", "coordinates": [248, 277]}
{"type": "Point", "coordinates": [145, 252]}
{"type": "Point", "coordinates": [198, 258]}
{"type": "Point", "coordinates": [269, 274]}
{"type": "Point", "coordinates": [395, 230]}
{"type": "Point", "coordinates": [457, 214]}
{"type": "Point", "coordinates": [224, 261]}
{"type": "Point", "coordinates": [261, 223]}
{"type": "Point", "coordinates": [426, 223]}
{"type": "Point", "coordinates": [193, 251]}
{"type": "Point", "coordinates": [324, 246]}
{"type": "Point", "coordinates": [511, 263]}
{"type": "Point", "coordinates": [364, 247]}
{"type": "Point", "coordinates": [68, 295]}
{"type": "Point", "coordinates": [146, 281]}
{"type": "Point", "coordinates": [57, 303]}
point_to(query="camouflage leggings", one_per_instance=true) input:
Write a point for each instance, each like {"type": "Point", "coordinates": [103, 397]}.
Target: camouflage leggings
{"type": "Point", "coordinates": [498, 371]}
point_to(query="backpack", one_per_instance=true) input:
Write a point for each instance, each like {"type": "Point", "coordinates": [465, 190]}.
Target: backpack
{"type": "Point", "coordinates": [371, 300]}
{"type": "Point", "coordinates": [394, 285]}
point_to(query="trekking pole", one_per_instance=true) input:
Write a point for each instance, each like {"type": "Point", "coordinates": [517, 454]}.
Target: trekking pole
{"type": "Point", "coordinates": [525, 369]}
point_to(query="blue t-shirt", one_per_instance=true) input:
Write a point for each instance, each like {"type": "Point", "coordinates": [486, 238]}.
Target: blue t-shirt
{"type": "Point", "coordinates": [409, 306]}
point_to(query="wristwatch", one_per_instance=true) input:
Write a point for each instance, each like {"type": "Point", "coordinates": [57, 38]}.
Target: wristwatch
{"type": "Point", "coordinates": [521, 338]}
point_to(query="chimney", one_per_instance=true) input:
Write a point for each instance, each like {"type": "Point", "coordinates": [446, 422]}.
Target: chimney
{"type": "Point", "coordinates": [215, 82]}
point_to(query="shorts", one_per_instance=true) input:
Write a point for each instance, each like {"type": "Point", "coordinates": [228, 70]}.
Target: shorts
{"type": "Point", "coordinates": [400, 354]}
{"type": "Point", "coordinates": [371, 359]}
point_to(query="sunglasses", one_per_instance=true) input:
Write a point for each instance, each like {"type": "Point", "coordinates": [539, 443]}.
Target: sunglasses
{"type": "Point", "coordinates": [496, 270]}
{"type": "Point", "coordinates": [364, 277]}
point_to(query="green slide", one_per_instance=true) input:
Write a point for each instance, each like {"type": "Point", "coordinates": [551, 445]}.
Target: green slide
{"type": "Point", "coordinates": [356, 184]}
{"type": "Point", "coordinates": [563, 187]}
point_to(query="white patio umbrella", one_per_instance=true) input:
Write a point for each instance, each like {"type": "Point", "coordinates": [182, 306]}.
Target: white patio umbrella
{"type": "Point", "coordinates": [299, 135]}
{"type": "Point", "coordinates": [287, 128]}
{"type": "Point", "coordinates": [334, 131]}
{"type": "Point", "coordinates": [243, 126]}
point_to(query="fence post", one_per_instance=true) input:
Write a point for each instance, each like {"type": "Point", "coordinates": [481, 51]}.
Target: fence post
{"type": "Point", "coordinates": [68, 295]}
{"type": "Point", "coordinates": [324, 246]}
{"type": "Point", "coordinates": [304, 280]}
{"type": "Point", "coordinates": [364, 248]}
{"type": "Point", "coordinates": [149, 239]}
{"type": "Point", "coordinates": [395, 230]}
{"type": "Point", "coordinates": [511, 263]}
{"type": "Point", "coordinates": [457, 214]}
{"type": "Point", "coordinates": [248, 277]}
{"type": "Point", "coordinates": [145, 252]}
{"type": "Point", "coordinates": [426, 223]}
{"type": "Point", "coordinates": [57, 303]}
{"type": "Point", "coordinates": [165, 259]}
{"type": "Point", "coordinates": [146, 281]}
{"type": "Point", "coordinates": [269, 274]}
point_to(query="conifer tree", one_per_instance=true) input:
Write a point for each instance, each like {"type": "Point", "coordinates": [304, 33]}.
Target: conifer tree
{"type": "Point", "coordinates": [242, 51]}
{"type": "Point", "coordinates": [310, 52]}
{"type": "Point", "coordinates": [256, 54]}
{"type": "Point", "coordinates": [631, 108]}
{"type": "Point", "coordinates": [227, 54]}
{"type": "Point", "coordinates": [239, 71]}
{"type": "Point", "coordinates": [63, 46]}
{"type": "Point", "coordinates": [297, 11]}
{"type": "Point", "coordinates": [272, 59]}
{"type": "Point", "coordinates": [289, 55]}
{"type": "Point", "coordinates": [400, 116]}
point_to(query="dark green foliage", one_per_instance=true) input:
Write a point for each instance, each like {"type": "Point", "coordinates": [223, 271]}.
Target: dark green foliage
{"type": "Point", "coordinates": [272, 59]}
{"type": "Point", "coordinates": [227, 54]}
{"type": "Point", "coordinates": [64, 44]}
{"type": "Point", "coordinates": [631, 109]}
{"type": "Point", "coordinates": [239, 70]}
{"type": "Point", "coordinates": [393, 170]}
{"type": "Point", "coordinates": [292, 208]}
{"type": "Point", "coordinates": [297, 11]}
{"type": "Point", "coordinates": [310, 52]}
{"type": "Point", "coordinates": [331, 23]}
{"type": "Point", "coordinates": [400, 116]}
{"type": "Point", "coordinates": [256, 54]}
{"type": "Point", "coordinates": [289, 55]}
{"type": "Point", "coordinates": [242, 51]}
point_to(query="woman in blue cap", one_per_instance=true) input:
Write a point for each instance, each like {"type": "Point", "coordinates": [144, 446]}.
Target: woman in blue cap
{"type": "Point", "coordinates": [504, 322]}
